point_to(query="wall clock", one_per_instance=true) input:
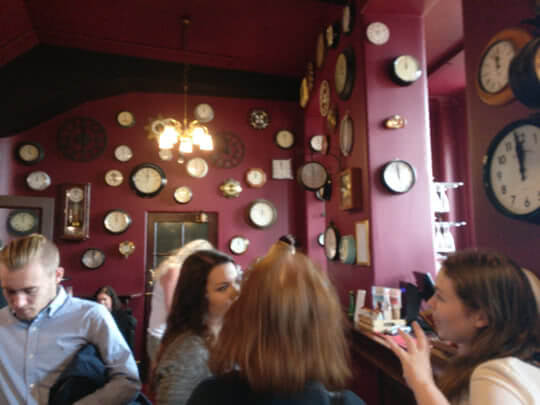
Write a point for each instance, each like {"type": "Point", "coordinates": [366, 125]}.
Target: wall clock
{"type": "Point", "coordinates": [259, 118]}
{"type": "Point", "coordinates": [525, 74]}
{"type": "Point", "coordinates": [238, 245]}
{"type": "Point", "coordinates": [76, 211]}
{"type": "Point", "coordinates": [324, 98]}
{"type": "Point", "coordinates": [81, 139]}
{"type": "Point", "coordinates": [197, 167]}
{"type": "Point", "coordinates": [114, 178]}
{"type": "Point", "coordinates": [346, 135]}
{"type": "Point", "coordinates": [325, 192]}
{"type": "Point", "coordinates": [350, 187]}
{"type": "Point", "coordinates": [320, 239]}
{"type": "Point", "coordinates": [398, 176]}
{"type": "Point", "coordinates": [228, 152]}
{"type": "Point", "coordinates": [93, 258]}
{"type": "Point", "coordinates": [331, 242]}
{"type": "Point", "coordinates": [282, 169]}
{"type": "Point", "coordinates": [116, 221]}
{"type": "Point", "coordinates": [304, 93]}
{"type": "Point", "coordinates": [347, 18]}
{"type": "Point", "coordinates": [332, 118]}
{"type": "Point", "coordinates": [126, 248]}
{"type": "Point", "coordinates": [256, 177]}
{"type": "Point", "coordinates": [310, 75]}
{"type": "Point", "coordinates": [262, 214]}
{"type": "Point", "coordinates": [284, 139]}
{"type": "Point", "coordinates": [147, 180]}
{"type": "Point", "coordinates": [492, 79]}
{"type": "Point", "coordinates": [38, 180]}
{"type": "Point", "coordinates": [512, 172]}
{"type": "Point", "coordinates": [203, 113]}
{"type": "Point", "coordinates": [312, 175]}
{"type": "Point", "coordinates": [22, 222]}
{"type": "Point", "coordinates": [231, 188]}
{"type": "Point", "coordinates": [125, 119]}
{"type": "Point", "coordinates": [405, 70]}
{"type": "Point", "coordinates": [344, 74]}
{"type": "Point", "coordinates": [319, 143]}
{"type": "Point", "coordinates": [320, 51]}
{"type": "Point", "coordinates": [183, 195]}
{"type": "Point", "coordinates": [332, 35]}
{"type": "Point", "coordinates": [378, 33]}
{"type": "Point", "coordinates": [29, 153]}
{"type": "Point", "coordinates": [123, 153]}
{"type": "Point", "coordinates": [347, 249]}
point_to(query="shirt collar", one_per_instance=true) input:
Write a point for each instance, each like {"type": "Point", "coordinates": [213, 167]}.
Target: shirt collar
{"type": "Point", "coordinates": [57, 302]}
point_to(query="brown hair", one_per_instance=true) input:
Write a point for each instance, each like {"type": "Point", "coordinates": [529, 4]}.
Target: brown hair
{"type": "Point", "coordinates": [285, 329]}
{"type": "Point", "coordinates": [35, 247]}
{"type": "Point", "coordinates": [108, 290]}
{"type": "Point", "coordinates": [494, 284]}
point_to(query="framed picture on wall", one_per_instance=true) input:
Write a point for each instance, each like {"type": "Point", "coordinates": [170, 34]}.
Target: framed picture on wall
{"type": "Point", "coordinates": [361, 230]}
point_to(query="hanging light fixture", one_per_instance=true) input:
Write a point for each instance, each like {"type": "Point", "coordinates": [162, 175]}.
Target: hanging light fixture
{"type": "Point", "coordinates": [170, 132]}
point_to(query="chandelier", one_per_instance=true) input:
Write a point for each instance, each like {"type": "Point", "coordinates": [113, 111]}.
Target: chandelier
{"type": "Point", "coordinates": [171, 132]}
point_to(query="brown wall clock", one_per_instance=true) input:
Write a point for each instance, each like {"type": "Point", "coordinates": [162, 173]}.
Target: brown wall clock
{"type": "Point", "coordinates": [81, 139]}
{"type": "Point", "coordinates": [228, 152]}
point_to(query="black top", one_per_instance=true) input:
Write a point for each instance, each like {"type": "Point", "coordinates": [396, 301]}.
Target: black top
{"type": "Point", "coordinates": [233, 389]}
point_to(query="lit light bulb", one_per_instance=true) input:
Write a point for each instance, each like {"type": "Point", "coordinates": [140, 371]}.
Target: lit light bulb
{"type": "Point", "coordinates": [186, 145]}
{"type": "Point", "coordinates": [167, 138]}
{"type": "Point", "coordinates": [206, 142]}
{"type": "Point", "coordinates": [198, 135]}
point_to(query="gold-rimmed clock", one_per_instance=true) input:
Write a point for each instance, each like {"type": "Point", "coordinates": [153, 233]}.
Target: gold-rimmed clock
{"type": "Point", "coordinates": [76, 211]}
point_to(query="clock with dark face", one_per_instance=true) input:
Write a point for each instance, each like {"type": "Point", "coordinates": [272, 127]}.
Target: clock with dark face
{"type": "Point", "coordinates": [81, 139]}
{"type": "Point", "coordinates": [228, 151]}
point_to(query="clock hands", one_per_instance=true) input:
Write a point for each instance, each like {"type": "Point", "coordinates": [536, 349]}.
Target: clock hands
{"type": "Point", "coordinates": [520, 152]}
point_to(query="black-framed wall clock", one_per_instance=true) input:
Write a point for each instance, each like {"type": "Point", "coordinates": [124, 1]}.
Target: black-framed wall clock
{"type": "Point", "coordinates": [147, 180]}
{"type": "Point", "coordinates": [228, 151]}
{"type": "Point", "coordinates": [29, 153]}
{"type": "Point", "coordinates": [511, 170]}
{"type": "Point", "coordinates": [405, 70]}
{"type": "Point", "coordinates": [492, 78]}
{"type": "Point", "coordinates": [93, 258]}
{"type": "Point", "coordinates": [22, 222]}
{"type": "Point", "coordinates": [284, 139]}
{"type": "Point", "coordinates": [81, 139]}
{"type": "Point", "coordinates": [312, 175]}
{"type": "Point", "coordinates": [398, 176]}
{"type": "Point", "coordinates": [525, 74]}
{"type": "Point", "coordinates": [259, 118]}
{"type": "Point", "coordinates": [344, 74]}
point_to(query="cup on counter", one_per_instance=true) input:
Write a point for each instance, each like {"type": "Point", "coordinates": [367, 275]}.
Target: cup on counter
{"type": "Point", "coordinates": [395, 302]}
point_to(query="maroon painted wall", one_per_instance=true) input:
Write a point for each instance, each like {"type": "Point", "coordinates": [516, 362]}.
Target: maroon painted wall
{"type": "Point", "coordinates": [16, 31]}
{"type": "Point", "coordinates": [520, 240]}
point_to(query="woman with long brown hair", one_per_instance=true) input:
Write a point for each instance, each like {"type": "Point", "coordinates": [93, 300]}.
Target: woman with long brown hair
{"type": "Point", "coordinates": [486, 304]}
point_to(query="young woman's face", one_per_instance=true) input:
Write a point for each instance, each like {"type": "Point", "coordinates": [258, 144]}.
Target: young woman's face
{"type": "Point", "coordinates": [222, 289]}
{"type": "Point", "coordinates": [453, 320]}
{"type": "Point", "coordinates": [104, 299]}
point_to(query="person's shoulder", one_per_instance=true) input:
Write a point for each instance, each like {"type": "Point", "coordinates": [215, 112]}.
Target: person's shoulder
{"type": "Point", "coordinates": [508, 368]}
{"type": "Point", "coordinates": [84, 308]}
{"type": "Point", "coordinates": [217, 388]}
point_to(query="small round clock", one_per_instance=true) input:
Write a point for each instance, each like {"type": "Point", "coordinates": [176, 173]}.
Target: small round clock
{"type": "Point", "coordinates": [320, 51]}
{"type": "Point", "coordinates": [259, 118]}
{"type": "Point", "coordinates": [512, 172]}
{"type": "Point", "coordinates": [114, 178]}
{"type": "Point", "coordinates": [38, 180]}
{"type": "Point", "coordinates": [123, 153]}
{"type": "Point", "coordinates": [284, 139]}
{"type": "Point", "coordinates": [203, 113]}
{"type": "Point", "coordinates": [262, 214]}
{"type": "Point", "coordinates": [22, 222]}
{"type": "Point", "coordinates": [183, 195]}
{"type": "Point", "coordinates": [117, 221]}
{"type": "Point", "coordinates": [125, 119]}
{"type": "Point", "coordinates": [29, 153]}
{"type": "Point", "coordinates": [238, 245]}
{"type": "Point", "coordinates": [324, 98]}
{"type": "Point", "coordinates": [347, 249]}
{"type": "Point", "coordinates": [197, 167]}
{"type": "Point", "coordinates": [378, 33]}
{"type": "Point", "coordinates": [256, 177]}
{"type": "Point", "coordinates": [347, 18]}
{"type": "Point", "coordinates": [525, 74]}
{"type": "Point", "coordinates": [344, 74]}
{"type": "Point", "coordinates": [81, 139]}
{"type": "Point", "coordinates": [312, 175]}
{"type": "Point", "coordinates": [304, 93]}
{"type": "Point", "coordinates": [93, 258]}
{"type": "Point", "coordinates": [320, 239]}
{"type": "Point", "coordinates": [331, 242]}
{"type": "Point", "coordinates": [147, 179]}
{"type": "Point", "coordinates": [75, 194]}
{"type": "Point", "coordinates": [325, 192]}
{"type": "Point", "coordinates": [319, 143]}
{"type": "Point", "coordinates": [346, 135]}
{"type": "Point", "coordinates": [405, 70]}
{"type": "Point", "coordinates": [398, 176]}
{"type": "Point", "coordinates": [332, 35]}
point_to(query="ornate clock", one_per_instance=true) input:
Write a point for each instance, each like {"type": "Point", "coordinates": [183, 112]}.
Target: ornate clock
{"type": "Point", "coordinates": [81, 139]}
{"type": "Point", "coordinates": [344, 74]}
{"type": "Point", "coordinates": [228, 150]}
{"type": "Point", "coordinates": [76, 211]}
{"type": "Point", "coordinates": [22, 222]}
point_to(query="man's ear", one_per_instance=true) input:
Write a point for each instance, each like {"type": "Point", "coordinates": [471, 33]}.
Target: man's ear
{"type": "Point", "coordinates": [59, 274]}
{"type": "Point", "coordinates": [481, 319]}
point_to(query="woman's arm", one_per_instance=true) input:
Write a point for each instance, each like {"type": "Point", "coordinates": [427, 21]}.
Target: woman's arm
{"type": "Point", "coordinates": [168, 282]}
{"type": "Point", "coordinates": [416, 365]}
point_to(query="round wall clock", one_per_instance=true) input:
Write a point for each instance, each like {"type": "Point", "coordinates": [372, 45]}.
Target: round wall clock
{"type": "Point", "coordinates": [203, 113]}
{"type": "Point", "coordinates": [405, 70]}
{"type": "Point", "coordinates": [147, 179]}
{"type": "Point", "coordinates": [324, 98]}
{"type": "Point", "coordinates": [93, 258]}
{"type": "Point", "coordinates": [114, 178]}
{"type": "Point", "coordinates": [262, 213]}
{"type": "Point", "coordinates": [325, 192]}
{"type": "Point", "coordinates": [117, 221]}
{"type": "Point", "coordinates": [331, 242]}
{"type": "Point", "coordinates": [239, 245]}
{"type": "Point", "coordinates": [183, 195]}
{"type": "Point", "coordinates": [29, 153]}
{"type": "Point", "coordinates": [347, 18]}
{"type": "Point", "coordinates": [320, 239]}
{"type": "Point", "coordinates": [123, 153]}
{"type": "Point", "coordinates": [347, 249]}
{"type": "Point", "coordinates": [346, 135]}
{"type": "Point", "coordinates": [81, 139]}
{"type": "Point", "coordinates": [492, 80]}
{"type": "Point", "coordinates": [344, 74]}
{"type": "Point", "coordinates": [398, 176]}
{"type": "Point", "coordinates": [320, 51]}
{"type": "Point", "coordinates": [378, 33]}
{"type": "Point", "coordinates": [304, 93]}
{"type": "Point", "coordinates": [228, 151]}
{"type": "Point", "coordinates": [125, 119]}
{"type": "Point", "coordinates": [319, 143]}
{"type": "Point", "coordinates": [525, 74]}
{"type": "Point", "coordinates": [22, 222]}
{"type": "Point", "coordinates": [197, 167]}
{"type": "Point", "coordinates": [259, 118]}
{"type": "Point", "coordinates": [332, 35]}
{"type": "Point", "coordinates": [38, 180]}
{"type": "Point", "coordinates": [512, 172]}
{"type": "Point", "coordinates": [284, 139]}
{"type": "Point", "coordinates": [256, 177]}
{"type": "Point", "coordinates": [312, 175]}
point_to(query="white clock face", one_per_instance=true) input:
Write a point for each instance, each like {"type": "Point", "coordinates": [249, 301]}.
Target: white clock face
{"type": "Point", "coordinates": [262, 214]}
{"type": "Point", "coordinates": [340, 74]}
{"type": "Point", "coordinates": [256, 177]}
{"type": "Point", "coordinates": [514, 171]}
{"type": "Point", "coordinates": [75, 194]}
{"type": "Point", "coordinates": [183, 195]}
{"type": "Point", "coordinates": [114, 178]}
{"type": "Point", "coordinates": [285, 139]}
{"type": "Point", "coordinates": [93, 258]}
{"type": "Point", "coordinates": [239, 245]}
{"type": "Point", "coordinates": [313, 175]}
{"type": "Point", "coordinates": [346, 135]}
{"type": "Point", "coordinates": [197, 167]}
{"type": "Point", "coordinates": [330, 243]}
{"type": "Point", "coordinates": [378, 33]}
{"type": "Point", "coordinates": [495, 66]}
{"type": "Point", "coordinates": [22, 222]}
{"type": "Point", "coordinates": [123, 153]}
{"type": "Point", "coordinates": [38, 180]}
{"type": "Point", "coordinates": [407, 68]}
{"type": "Point", "coordinates": [147, 180]}
{"type": "Point", "coordinates": [29, 152]}
{"type": "Point", "coordinates": [117, 221]}
{"type": "Point", "coordinates": [398, 176]}
{"type": "Point", "coordinates": [204, 113]}
{"type": "Point", "coordinates": [125, 119]}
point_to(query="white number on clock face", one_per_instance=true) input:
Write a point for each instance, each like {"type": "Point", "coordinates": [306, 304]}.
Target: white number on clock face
{"type": "Point", "coordinates": [147, 180]}
{"type": "Point", "coordinates": [496, 65]}
{"type": "Point", "coordinates": [515, 181]}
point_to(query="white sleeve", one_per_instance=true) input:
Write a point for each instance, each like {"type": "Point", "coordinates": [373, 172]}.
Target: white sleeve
{"type": "Point", "coordinates": [490, 385]}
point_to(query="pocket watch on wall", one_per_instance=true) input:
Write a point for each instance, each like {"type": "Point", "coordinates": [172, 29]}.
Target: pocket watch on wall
{"type": "Point", "coordinates": [29, 153]}
{"type": "Point", "coordinates": [284, 139]}
{"type": "Point", "coordinates": [203, 113]}
{"type": "Point", "coordinates": [76, 211]}
{"type": "Point", "coordinates": [197, 167]}
{"type": "Point", "coordinates": [256, 177]}
{"type": "Point", "coordinates": [238, 245]}
{"type": "Point", "coordinates": [319, 143]}
{"type": "Point", "coordinates": [378, 33]}
{"type": "Point", "coordinates": [147, 180]}
{"type": "Point", "coordinates": [123, 153]}
{"type": "Point", "coordinates": [183, 195]}
{"type": "Point", "coordinates": [117, 221]}
{"type": "Point", "coordinates": [114, 178]}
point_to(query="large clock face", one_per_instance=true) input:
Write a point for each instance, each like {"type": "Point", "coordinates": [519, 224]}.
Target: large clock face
{"type": "Point", "coordinates": [147, 180]}
{"type": "Point", "coordinates": [493, 74]}
{"type": "Point", "coordinates": [81, 139]}
{"type": "Point", "coordinates": [228, 151]}
{"type": "Point", "coordinates": [512, 170]}
{"type": "Point", "coordinates": [262, 213]}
